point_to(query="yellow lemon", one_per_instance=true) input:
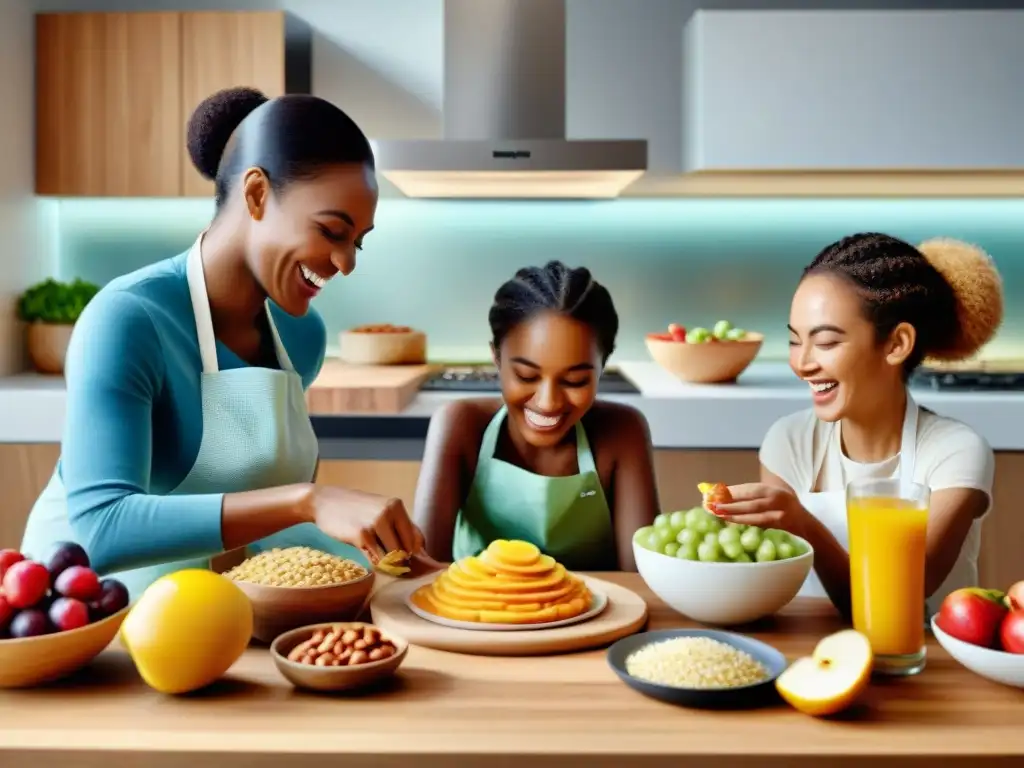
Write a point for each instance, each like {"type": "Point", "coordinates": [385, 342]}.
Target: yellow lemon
{"type": "Point", "coordinates": [187, 629]}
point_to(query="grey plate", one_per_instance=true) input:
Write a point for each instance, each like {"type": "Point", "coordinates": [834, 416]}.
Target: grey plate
{"type": "Point", "coordinates": [748, 696]}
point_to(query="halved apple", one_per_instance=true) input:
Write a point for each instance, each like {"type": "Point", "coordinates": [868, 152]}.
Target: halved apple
{"type": "Point", "coordinates": [830, 679]}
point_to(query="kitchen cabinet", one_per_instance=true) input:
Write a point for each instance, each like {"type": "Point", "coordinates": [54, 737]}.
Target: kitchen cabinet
{"type": "Point", "coordinates": [25, 469]}
{"type": "Point", "coordinates": [114, 92]}
{"type": "Point", "coordinates": [873, 90]}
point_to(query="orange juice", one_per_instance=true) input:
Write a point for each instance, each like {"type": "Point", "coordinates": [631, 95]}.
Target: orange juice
{"type": "Point", "coordinates": [887, 561]}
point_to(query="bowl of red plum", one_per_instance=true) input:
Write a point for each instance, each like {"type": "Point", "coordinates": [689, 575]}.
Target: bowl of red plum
{"type": "Point", "coordinates": [56, 615]}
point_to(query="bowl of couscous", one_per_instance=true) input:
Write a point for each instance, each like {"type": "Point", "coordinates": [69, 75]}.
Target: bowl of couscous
{"type": "Point", "coordinates": [298, 586]}
{"type": "Point", "coordinates": [699, 667]}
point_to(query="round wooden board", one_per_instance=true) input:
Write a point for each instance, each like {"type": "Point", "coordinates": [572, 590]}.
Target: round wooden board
{"type": "Point", "coordinates": [626, 613]}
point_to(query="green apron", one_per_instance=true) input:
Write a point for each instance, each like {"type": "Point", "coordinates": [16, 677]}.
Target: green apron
{"type": "Point", "coordinates": [568, 518]}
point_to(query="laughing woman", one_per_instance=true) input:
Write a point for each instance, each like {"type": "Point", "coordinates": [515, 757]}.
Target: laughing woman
{"type": "Point", "coordinates": [868, 310]}
{"type": "Point", "coordinates": [545, 463]}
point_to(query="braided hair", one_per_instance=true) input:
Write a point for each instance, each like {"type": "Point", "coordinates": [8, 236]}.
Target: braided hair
{"type": "Point", "coordinates": [291, 138]}
{"type": "Point", "coordinates": [555, 288]}
{"type": "Point", "coordinates": [950, 292]}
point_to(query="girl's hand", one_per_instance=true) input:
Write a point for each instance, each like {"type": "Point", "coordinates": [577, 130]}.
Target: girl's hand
{"type": "Point", "coordinates": [375, 524]}
{"type": "Point", "coordinates": [764, 506]}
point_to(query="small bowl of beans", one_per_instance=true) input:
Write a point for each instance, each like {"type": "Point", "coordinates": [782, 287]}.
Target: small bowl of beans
{"type": "Point", "coordinates": [337, 656]}
{"type": "Point", "coordinates": [298, 586]}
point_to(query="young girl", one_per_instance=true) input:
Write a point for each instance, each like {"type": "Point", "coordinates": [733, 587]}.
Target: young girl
{"type": "Point", "coordinates": [545, 463]}
{"type": "Point", "coordinates": [867, 311]}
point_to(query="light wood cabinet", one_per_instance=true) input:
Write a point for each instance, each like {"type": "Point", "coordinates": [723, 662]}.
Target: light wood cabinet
{"type": "Point", "coordinates": [114, 92]}
{"type": "Point", "coordinates": [25, 469]}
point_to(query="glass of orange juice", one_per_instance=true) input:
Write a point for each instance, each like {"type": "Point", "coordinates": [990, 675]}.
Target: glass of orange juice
{"type": "Point", "coordinates": [888, 521]}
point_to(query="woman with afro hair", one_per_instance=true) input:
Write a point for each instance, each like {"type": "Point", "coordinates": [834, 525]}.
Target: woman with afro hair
{"type": "Point", "coordinates": [868, 310]}
{"type": "Point", "coordinates": [186, 429]}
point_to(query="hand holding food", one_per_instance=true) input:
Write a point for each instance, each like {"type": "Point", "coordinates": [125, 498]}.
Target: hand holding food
{"type": "Point", "coordinates": [714, 493]}
{"type": "Point", "coordinates": [63, 594]}
{"type": "Point", "coordinates": [510, 582]}
{"type": "Point", "coordinates": [761, 504]}
{"type": "Point", "coordinates": [375, 524]}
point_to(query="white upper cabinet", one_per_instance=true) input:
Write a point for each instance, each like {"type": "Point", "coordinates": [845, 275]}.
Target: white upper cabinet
{"type": "Point", "coordinates": [853, 90]}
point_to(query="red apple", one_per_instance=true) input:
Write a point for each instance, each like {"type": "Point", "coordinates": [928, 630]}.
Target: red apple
{"type": "Point", "coordinates": [26, 583]}
{"type": "Point", "coordinates": [9, 557]}
{"type": "Point", "coordinates": [677, 332]}
{"type": "Point", "coordinates": [1011, 632]}
{"type": "Point", "coordinates": [1015, 597]}
{"type": "Point", "coordinates": [66, 613]}
{"type": "Point", "coordinates": [972, 615]}
{"type": "Point", "coordinates": [78, 582]}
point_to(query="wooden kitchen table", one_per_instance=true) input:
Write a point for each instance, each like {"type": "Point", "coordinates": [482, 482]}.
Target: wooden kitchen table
{"type": "Point", "coordinates": [449, 710]}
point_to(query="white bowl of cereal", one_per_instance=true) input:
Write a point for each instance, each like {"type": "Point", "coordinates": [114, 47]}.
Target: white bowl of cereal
{"type": "Point", "coordinates": [699, 667]}
{"type": "Point", "coordinates": [298, 586]}
{"type": "Point", "coordinates": [337, 656]}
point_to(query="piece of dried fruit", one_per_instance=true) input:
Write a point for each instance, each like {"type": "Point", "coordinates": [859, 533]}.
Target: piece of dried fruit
{"type": "Point", "coordinates": [714, 493]}
{"type": "Point", "coordinates": [394, 563]}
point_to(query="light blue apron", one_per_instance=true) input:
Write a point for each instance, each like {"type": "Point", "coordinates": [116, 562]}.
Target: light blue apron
{"type": "Point", "coordinates": [256, 434]}
{"type": "Point", "coordinates": [567, 518]}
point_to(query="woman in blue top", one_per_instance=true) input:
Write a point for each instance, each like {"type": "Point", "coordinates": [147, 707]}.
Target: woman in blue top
{"type": "Point", "coordinates": [545, 463]}
{"type": "Point", "coordinates": [186, 430]}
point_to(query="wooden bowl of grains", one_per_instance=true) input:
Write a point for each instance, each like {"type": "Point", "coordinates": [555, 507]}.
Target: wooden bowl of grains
{"type": "Point", "coordinates": [299, 586]}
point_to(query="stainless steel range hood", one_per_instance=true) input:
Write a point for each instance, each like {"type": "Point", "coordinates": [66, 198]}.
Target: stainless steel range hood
{"type": "Point", "coordinates": [504, 115]}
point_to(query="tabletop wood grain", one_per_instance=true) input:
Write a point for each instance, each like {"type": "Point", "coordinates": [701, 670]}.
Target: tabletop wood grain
{"type": "Point", "coordinates": [445, 709]}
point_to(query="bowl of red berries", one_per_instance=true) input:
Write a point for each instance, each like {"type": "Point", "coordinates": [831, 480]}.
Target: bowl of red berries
{"type": "Point", "coordinates": [56, 615]}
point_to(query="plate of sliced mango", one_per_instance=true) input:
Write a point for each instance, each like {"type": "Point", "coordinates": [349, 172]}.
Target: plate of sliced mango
{"type": "Point", "coordinates": [510, 586]}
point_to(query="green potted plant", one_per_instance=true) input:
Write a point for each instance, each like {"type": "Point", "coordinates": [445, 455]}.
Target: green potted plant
{"type": "Point", "coordinates": [51, 309]}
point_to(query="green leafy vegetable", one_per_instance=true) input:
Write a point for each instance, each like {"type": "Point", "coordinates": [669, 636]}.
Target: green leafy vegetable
{"type": "Point", "coordinates": [52, 301]}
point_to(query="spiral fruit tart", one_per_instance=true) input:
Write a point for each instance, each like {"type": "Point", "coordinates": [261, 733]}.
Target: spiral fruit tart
{"type": "Point", "coordinates": [510, 582]}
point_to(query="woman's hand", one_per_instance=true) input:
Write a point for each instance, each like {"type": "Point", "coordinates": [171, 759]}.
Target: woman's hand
{"type": "Point", "coordinates": [765, 506]}
{"type": "Point", "coordinates": [375, 524]}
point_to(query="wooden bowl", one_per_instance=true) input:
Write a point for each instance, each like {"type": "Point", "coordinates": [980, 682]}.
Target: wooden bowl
{"type": "Point", "coordinates": [709, 362]}
{"type": "Point", "coordinates": [334, 678]}
{"type": "Point", "coordinates": [280, 609]}
{"type": "Point", "coordinates": [30, 661]}
{"type": "Point", "coordinates": [382, 348]}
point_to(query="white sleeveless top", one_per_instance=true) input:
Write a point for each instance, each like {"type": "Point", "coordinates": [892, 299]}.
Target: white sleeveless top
{"type": "Point", "coordinates": [949, 454]}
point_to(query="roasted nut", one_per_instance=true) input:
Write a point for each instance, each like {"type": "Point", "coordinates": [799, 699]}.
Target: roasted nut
{"type": "Point", "coordinates": [343, 645]}
{"type": "Point", "coordinates": [359, 657]}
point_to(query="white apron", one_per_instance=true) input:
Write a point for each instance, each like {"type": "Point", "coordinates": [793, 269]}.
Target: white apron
{"type": "Point", "coordinates": [830, 507]}
{"type": "Point", "coordinates": [256, 434]}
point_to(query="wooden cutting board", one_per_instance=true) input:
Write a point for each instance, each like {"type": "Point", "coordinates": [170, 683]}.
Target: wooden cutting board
{"type": "Point", "coordinates": [345, 388]}
{"type": "Point", "coordinates": [626, 614]}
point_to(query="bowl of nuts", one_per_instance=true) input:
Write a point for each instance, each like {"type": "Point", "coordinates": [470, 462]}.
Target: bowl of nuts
{"type": "Point", "coordinates": [337, 656]}
{"type": "Point", "coordinates": [298, 586]}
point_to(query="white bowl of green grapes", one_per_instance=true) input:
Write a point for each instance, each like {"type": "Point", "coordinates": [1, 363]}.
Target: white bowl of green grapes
{"type": "Point", "coordinates": [720, 573]}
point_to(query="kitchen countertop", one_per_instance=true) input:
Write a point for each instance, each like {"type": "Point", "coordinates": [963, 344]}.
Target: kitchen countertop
{"type": "Point", "coordinates": [445, 709]}
{"type": "Point", "coordinates": [685, 416]}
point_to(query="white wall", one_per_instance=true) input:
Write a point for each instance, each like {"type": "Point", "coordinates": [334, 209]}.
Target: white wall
{"type": "Point", "coordinates": [19, 250]}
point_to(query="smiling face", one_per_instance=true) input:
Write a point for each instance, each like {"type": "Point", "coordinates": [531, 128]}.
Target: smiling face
{"type": "Point", "coordinates": [835, 348]}
{"type": "Point", "coordinates": [302, 238]}
{"type": "Point", "coordinates": [549, 366]}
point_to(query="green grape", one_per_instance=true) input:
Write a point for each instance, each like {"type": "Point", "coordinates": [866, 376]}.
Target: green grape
{"type": "Point", "coordinates": [775, 536]}
{"type": "Point", "coordinates": [677, 521]}
{"type": "Point", "coordinates": [732, 549]}
{"type": "Point", "coordinates": [766, 552]}
{"type": "Point", "coordinates": [743, 557]}
{"type": "Point", "coordinates": [728, 534]}
{"type": "Point", "coordinates": [688, 536]}
{"type": "Point", "coordinates": [711, 536]}
{"type": "Point", "coordinates": [706, 524]}
{"type": "Point", "coordinates": [687, 552]}
{"type": "Point", "coordinates": [785, 550]}
{"type": "Point", "coordinates": [736, 334]}
{"type": "Point", "coordinates": [721, 329]}
{"type": "Point", "coordinates": [751, 539]}
{"type": "Point", "coordinates": [693, 516]}
{"type": "Point", "coordinates": [659, 538]}
{"type": "Point", "coordinates": [698, 335]}
{"type": "Point", "coordinates": [661, 521]}
{"type": "Point", "coordinates": [670, 549]}
{"type": "Point", "coordinates": [709, 551]}
{"type": "Point", "coordinates": [643, 535]}
{"type": "Point", "coordinates": [738, 526]}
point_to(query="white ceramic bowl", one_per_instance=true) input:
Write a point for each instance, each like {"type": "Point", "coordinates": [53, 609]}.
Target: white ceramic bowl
{"type": "Point", "coordinates": [998, 666]}
{"type": "Point", "coordinates": [723, 593]}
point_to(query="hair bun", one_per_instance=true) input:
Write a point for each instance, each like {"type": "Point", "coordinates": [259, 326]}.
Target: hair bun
{"type": "Point", "coordinates": [978, 289]}
{"type": "Point", "coordinates": [214, 121]}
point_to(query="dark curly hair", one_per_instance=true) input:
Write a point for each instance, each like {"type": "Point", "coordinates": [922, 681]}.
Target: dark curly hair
{"type": "Point", "coordinates": [291, 138]}
{"type": "Point", "coordinates": [948, 291]}
{"type": "Point", "coordinates": [555, 288]}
